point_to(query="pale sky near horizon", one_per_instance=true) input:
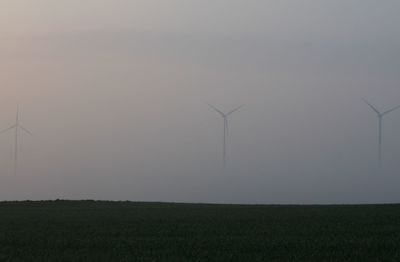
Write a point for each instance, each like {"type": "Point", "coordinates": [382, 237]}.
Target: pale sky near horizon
{"type": "Point", "coordinates": [115, 91]}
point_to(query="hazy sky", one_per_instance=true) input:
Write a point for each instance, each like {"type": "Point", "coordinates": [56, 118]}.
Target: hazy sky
{"type": "Point", "coordinates": [115, 93]}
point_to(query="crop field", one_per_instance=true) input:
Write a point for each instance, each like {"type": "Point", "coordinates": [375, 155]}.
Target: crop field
{"type": "Point", "coordinates": [126, 231]}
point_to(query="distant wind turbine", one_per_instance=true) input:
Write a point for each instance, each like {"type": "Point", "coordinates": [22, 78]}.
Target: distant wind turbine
{"type": "Point", "coordinates": [380, 117]}
{"type": "Point", "coordinates": [16, 127]}
{"type": "Point", "coordinates": [226, 127]}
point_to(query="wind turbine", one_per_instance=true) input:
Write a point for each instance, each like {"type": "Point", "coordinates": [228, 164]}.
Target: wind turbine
{"type": "Point", "coordinates": [225, 116]}
{"type": "Point", "coordinates": [380, 117]}
{"type": "Point", "coordinates": [16, 127]}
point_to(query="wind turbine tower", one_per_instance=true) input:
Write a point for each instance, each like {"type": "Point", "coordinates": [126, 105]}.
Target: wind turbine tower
{"type": "Point", "coordinates": [17, 126]}
{"type": "Point", "coordinates": [380, 119]}
{"type": "Point", "coordinates": [225, 117]}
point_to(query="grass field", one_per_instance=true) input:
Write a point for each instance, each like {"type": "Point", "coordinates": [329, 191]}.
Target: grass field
{"type": "Point", "coordinates": [123, 231]}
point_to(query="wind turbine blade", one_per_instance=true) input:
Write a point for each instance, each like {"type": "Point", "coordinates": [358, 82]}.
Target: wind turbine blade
{"type": "Point", "coordinates": [216, 109]}
{"type": "Point", "coordinates": [391, 110]}
{"type": "Point", "coordinates": [234, 110]}
{"type": "Point", "coordinates": [26, 130]}
{"type": "Point", "coordinates": [227, 127]}
{"type": "Point", "coordinates": [5, 130]}
{"type": "Point", "coordinates": [370, 105]}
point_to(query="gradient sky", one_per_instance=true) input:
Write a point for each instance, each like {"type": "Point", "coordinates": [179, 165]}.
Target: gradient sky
{"type": "Point", "coordinates": [115, 91]}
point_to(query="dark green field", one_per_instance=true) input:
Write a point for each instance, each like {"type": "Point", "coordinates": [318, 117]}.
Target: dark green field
{"type": "Point", "coordinates": [123, 231]}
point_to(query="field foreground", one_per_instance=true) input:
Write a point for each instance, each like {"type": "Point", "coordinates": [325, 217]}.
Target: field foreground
{"type": "Point", "coordinates": [125, 231]}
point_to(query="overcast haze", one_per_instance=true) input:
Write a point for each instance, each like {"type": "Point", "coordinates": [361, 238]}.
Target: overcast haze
{"type": "Point", "coordinates": [115, 92]}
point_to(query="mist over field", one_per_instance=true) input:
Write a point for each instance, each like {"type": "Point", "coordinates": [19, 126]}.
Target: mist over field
{"type": "Point", "coordinates": [115, 93]}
